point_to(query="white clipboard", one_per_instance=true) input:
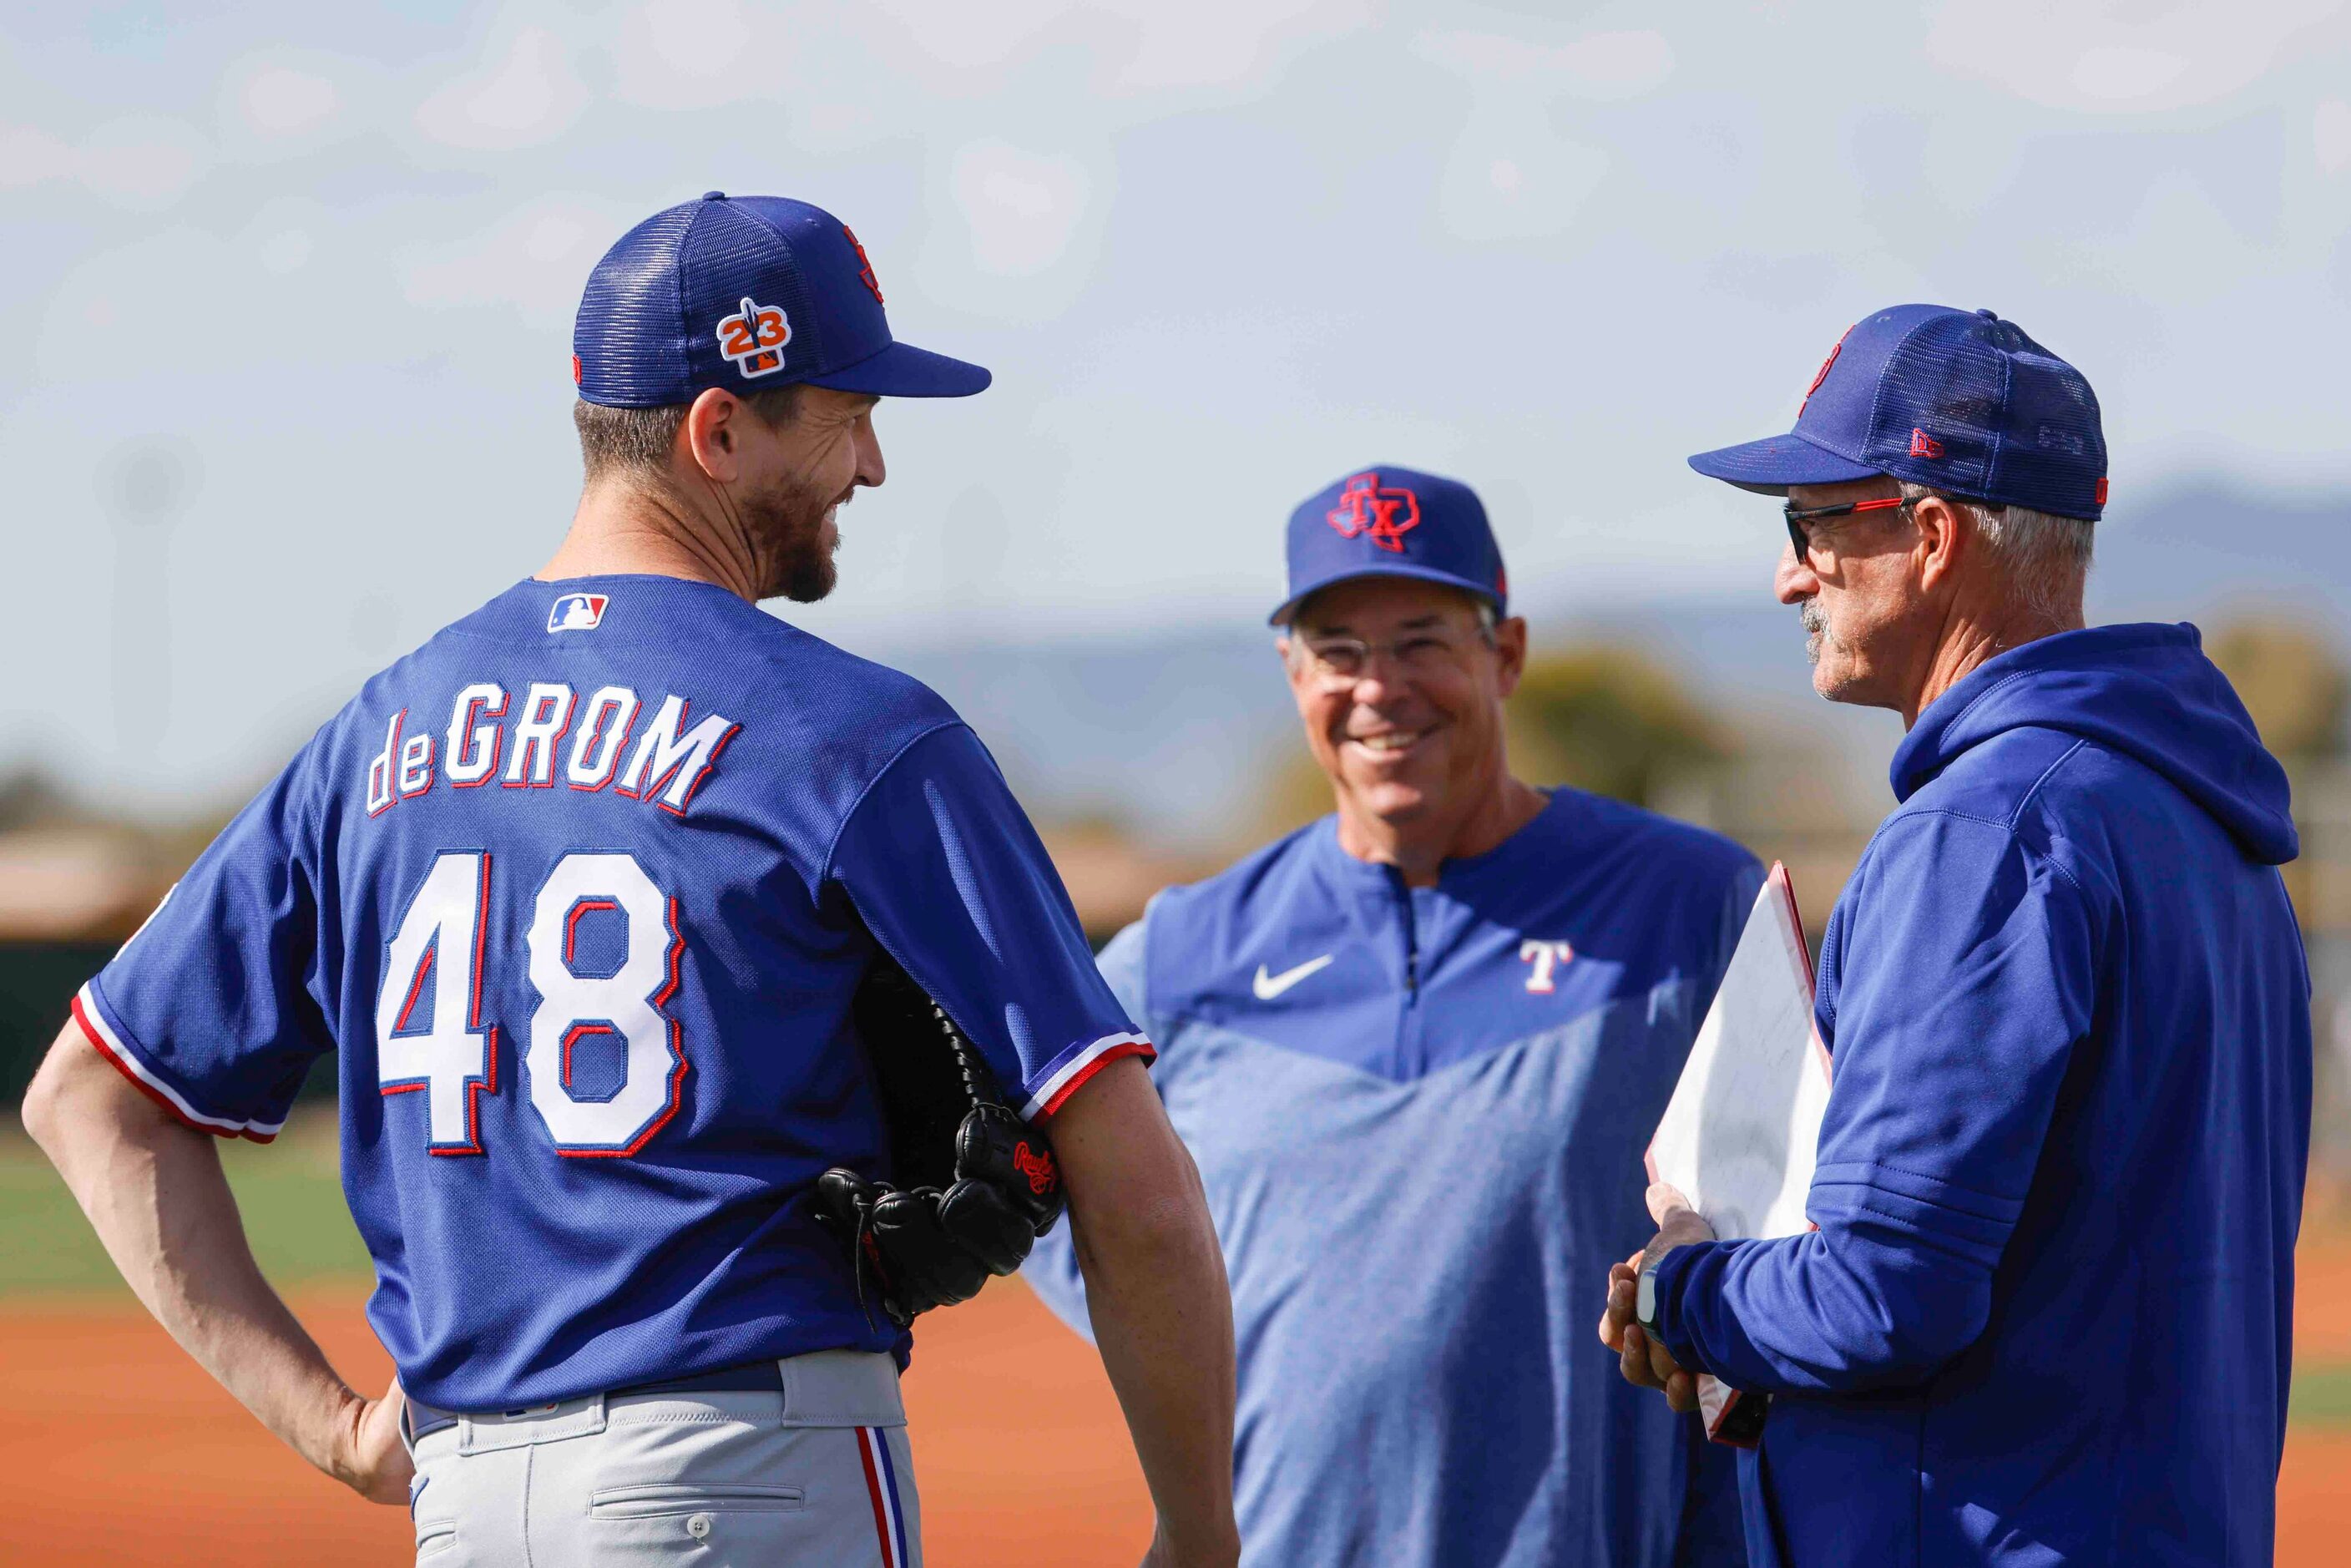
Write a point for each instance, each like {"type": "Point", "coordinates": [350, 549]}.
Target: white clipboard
{"type": "Point", "coordinates": [1743, 1129]}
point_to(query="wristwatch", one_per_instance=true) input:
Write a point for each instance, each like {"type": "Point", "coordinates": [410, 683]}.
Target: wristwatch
{"type": "Point", "coordinates": [1645, 1295]}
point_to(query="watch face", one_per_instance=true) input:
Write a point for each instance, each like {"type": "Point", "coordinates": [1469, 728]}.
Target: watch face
{"type": "Point", "coordinates": [1644, 1298]}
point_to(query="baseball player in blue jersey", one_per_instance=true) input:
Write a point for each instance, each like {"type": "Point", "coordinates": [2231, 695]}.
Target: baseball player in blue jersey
{"type": "Point", "coordinates": [1417, 1050]}
{"type": "Point", "coordinates": [589, 894]}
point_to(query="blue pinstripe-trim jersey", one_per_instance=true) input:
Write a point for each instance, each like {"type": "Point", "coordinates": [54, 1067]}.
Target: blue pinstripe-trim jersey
{"type": "Point", "coordinates": [580, 891]}
{"type": "Point", "coordinates": [1420, 1115]}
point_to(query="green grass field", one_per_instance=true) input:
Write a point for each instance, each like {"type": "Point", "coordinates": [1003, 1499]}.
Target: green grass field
{"type": "Point", "coordinates": [293, 1205]}
{"type": "Point", "coordinates": [288, 1190]}
{"type": "Point", "coordinates": [2322, 1396]}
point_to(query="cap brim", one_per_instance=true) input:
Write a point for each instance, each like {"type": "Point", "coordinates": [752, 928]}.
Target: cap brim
{"type": "Point", "coordinates": [1769, 465]}
{"type": "Point", "coordinates": [1418, 573]}
{"type": "Point", "coordinates": [902, 370]}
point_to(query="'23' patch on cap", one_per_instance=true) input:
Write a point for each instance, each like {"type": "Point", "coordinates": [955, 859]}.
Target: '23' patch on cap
{"type": "Point", "coordinates": [753, 339]}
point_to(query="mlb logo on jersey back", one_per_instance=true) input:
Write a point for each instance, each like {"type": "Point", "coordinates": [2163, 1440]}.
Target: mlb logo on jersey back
{"type": "Point", "coordinates": [577, 612]}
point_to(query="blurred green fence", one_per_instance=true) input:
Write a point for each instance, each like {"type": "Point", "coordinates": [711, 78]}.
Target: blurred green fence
{"type": "Point", "coordinates": [38, 980]}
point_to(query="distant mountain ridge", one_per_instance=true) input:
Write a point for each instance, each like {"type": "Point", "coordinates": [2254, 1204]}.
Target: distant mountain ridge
{"type": "Point", "coordinates": [1172, 733]}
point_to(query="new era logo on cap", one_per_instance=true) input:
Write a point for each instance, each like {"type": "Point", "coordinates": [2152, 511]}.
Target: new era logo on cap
{"type": "Point", "coordinates": [577, 611]}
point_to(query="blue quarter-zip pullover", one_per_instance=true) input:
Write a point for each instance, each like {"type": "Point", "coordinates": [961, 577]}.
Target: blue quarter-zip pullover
{"type": "Point", "coordinates": [1419, 1114]}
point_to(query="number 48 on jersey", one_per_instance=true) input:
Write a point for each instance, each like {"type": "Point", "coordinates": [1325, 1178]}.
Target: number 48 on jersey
{"type": "Point", "coordinates": [451, 1057]}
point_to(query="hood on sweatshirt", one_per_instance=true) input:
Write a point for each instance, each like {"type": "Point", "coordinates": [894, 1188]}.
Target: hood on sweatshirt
{"type": "Point", "coordinates": [2147, 691]}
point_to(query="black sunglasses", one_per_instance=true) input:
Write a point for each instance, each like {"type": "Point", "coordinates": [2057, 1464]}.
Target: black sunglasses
{"type": "Point", "coordinates": [1802, 518]}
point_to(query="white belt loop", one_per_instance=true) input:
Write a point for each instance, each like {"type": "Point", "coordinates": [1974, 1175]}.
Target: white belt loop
{"type": "Point", "coordinates": [539, 1424]}
{"type": "Point", "coordinates": [841, 1388]}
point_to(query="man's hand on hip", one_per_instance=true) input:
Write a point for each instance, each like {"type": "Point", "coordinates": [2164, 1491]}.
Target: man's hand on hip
{"type": "Point", "coordinates": [1645, 1363]}
{"type": "Point", "coordinates": [155, 1192]}
{"type": "Point", "coordinates": [369, 1455]}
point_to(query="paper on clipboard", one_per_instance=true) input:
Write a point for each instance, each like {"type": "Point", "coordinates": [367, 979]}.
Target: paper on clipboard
{"type": "Point", "coordinates": [1743, 1128]}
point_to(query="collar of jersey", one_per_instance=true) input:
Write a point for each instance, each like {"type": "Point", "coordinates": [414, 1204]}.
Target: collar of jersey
{"type": "Point", "coordinates": [1505, 860]}
{"type": "Point", "coordinates": [521, 611]}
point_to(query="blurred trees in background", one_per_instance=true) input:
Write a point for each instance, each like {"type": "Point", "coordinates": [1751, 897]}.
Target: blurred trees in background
{"type": "Point", "coordinates": [2292, 682]}
{"type": "Point", "coordinates": [1614, 721]}
{"type": "Point", "coordinates": [74, 882]}
{"type": "Point", "coordinates": [2292, 675]}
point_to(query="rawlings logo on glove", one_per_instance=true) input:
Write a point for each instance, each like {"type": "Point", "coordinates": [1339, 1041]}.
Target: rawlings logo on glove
{"type": "Point", "coordinates": [1042, 1174]}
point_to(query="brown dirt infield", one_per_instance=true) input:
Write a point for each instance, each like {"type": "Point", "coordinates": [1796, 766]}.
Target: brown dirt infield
{"type": "Point", "coordinates": [2322, 1297]}
{"type": "Point", "coordinates": [114, 1448]}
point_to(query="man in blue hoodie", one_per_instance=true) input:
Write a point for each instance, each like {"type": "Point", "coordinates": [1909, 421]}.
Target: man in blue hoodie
{"type": "Point", "coordinates": [2045, 1315]}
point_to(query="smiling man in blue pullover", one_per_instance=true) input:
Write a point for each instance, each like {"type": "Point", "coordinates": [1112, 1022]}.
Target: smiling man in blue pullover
{"type": "Point", "coordinates": [2046, 1316]}
{"type": "Point", "coordinates": [1417, 1050]}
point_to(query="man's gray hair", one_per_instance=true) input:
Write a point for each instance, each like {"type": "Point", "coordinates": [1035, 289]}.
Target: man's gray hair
{"type": "Point", "coordinates": [2047, 558]}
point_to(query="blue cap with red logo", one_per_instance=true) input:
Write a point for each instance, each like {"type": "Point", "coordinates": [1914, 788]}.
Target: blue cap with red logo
{"type": "Point", "coordinates": [1388, 521]}
{"type": "Point", "coordinates": [1957, 399]}
{"type": "Point", "coordinates": [745, 293]}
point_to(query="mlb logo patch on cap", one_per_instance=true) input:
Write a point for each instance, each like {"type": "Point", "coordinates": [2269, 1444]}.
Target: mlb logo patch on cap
{"type": "Point", "coordinates": [577, 612]}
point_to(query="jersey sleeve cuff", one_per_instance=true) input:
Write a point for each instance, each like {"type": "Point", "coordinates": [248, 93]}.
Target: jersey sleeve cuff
{"type": "Point", "coordinates": [1673, 1321]}
{"type": "Point", "coordinates": [1067, 1073]}
{"type": "Point", "coordinates": [114, 1043]}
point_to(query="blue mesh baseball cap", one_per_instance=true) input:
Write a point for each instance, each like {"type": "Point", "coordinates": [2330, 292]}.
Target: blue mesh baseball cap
{"type": "Point", "coordinates": [745, 293]}
{"type": "Point", "coordinates": [1957, 400]}
{"type": "Point", "coordinates": [1388, 521]}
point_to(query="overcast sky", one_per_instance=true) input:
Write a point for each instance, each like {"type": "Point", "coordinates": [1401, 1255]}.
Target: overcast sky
{"type": "Point", "coordinates": [286, 291]}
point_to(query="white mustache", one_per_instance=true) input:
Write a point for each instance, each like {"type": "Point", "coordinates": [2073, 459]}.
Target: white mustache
{"type": "Point", "coordinates": [1816, 627]}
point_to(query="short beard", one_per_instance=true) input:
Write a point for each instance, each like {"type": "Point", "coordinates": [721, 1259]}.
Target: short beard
{"type": "Point", "coordinates": [788, 523]}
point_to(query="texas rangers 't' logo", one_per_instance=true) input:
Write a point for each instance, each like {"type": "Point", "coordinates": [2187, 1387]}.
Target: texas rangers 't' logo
{"type": "Point", "coordinates": [1367, 506]}
{"type": "Point", "coordinates": [754, 338]}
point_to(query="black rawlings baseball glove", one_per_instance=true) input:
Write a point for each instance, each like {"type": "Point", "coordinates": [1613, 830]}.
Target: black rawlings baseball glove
{"type": "Point", "coordinates": [972, 1185]}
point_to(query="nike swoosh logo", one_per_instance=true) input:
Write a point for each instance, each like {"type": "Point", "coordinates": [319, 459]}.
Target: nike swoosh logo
{"type": "Point", "coordinates": [1269, 986]}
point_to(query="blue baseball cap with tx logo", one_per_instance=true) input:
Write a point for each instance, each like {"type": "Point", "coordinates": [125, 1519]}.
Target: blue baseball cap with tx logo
{"type": "Point", "coordinates": [745, 293]}
{"type": "Point", "coordinates": [1387, 522]}
{"type": "Point", "coordinates": [1957, 399]}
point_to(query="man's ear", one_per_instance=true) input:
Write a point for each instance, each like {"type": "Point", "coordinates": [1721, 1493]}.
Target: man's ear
{"type": "Point", "coordinates": [1942, 540]}
{"type": "Point", "coordinates": [709, 441]}
{"type": "Point", "coordinates": [1511, 651]}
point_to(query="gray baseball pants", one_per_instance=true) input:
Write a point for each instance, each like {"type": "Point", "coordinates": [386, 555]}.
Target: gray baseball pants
{"type": "Point", "coordinates": [819, 1476]}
